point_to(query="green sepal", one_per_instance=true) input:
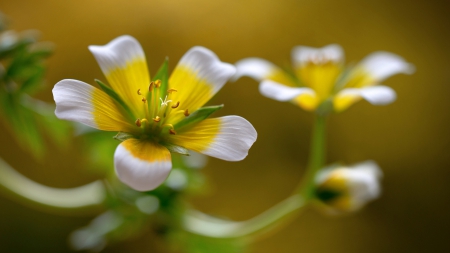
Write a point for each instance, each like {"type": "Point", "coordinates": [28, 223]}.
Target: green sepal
{"type": "Point", "coordinates": [116, 97]}
{"type": "Point", "coordinates": [176, 149]}
{"type": "Point", "coordinates": [197, 116]}
{"type": "Point", "coordinates": [122, 136]}
{"type": "Point", "coordinates": [163, 75]}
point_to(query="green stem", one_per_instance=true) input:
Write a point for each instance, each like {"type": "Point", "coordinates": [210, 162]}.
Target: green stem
{"type": "Point", "coordinates": [316, 158]}
{"type": "Point", "coordinates": [252, 229]}
{"type": "Point", "coordinates": [257, 227]}
{"type": "Point", "coordinates": [79, 200]}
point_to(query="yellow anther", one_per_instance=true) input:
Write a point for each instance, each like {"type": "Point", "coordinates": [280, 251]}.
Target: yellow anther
{"type": "Point", "coordinates": [157, 119]}
{"type": "Point", "coordinates": [171, 90]}
{"type": "Point", "coordinates": [158, 83]}
{"type": "Point", "coordinates": [186, 112]}
{"type": "Point", "coordinates": [144, 100]}
{"type": "Point", "coordinates": [176, 105]}
{"type": "Point", "coordinates": [139, 92]}
{"type": "Point", "coordinates": [150, 88]}
{"type": "Point", "coordinates": [138, 122]}
{"type": "Point", "coordinates": [171, 131]}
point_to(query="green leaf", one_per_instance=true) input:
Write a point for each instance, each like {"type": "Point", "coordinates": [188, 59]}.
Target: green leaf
{"type": "Point", "coordinates": [22, 123]}
{"type": "Point", "coordinates": [176, 149]}
{"type": "Point", "coordinates": [33, 81]}
{"type": "Point", "coordinates": [116, 97]}
{"type": "Point", "coordinates": [197, 116]}
{"type": "Point", "coordinates": [163, 75]}
{"type": "Point", "coordinates": [122, 136]}
{"type": "Point", "coordinates": [44, 113]}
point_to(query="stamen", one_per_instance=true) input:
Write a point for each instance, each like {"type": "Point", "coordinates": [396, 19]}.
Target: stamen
{"type": "Point", "coordinates": [150, 88]}
{"type": "Point", "coordinates": [171, 130]}
{"type": "Point", "coordinates": [171, 90]}
{"type": "Point", "coordinates": [186, 112]}
{"type": "Point", "coordinates": [144, 121]}
{"type": "Point", "coordinates": [139, 92]}
{"type": "Point", "coordinates": [158, 83]}
{"type": "Point", "coordinates": [157, 119]}
{"type": "Point", "coordinates": [138, 122]}
{"type": "Point", "coordinates": [176, 105]}
{"type": "Point", "coordinates": [144, 100]}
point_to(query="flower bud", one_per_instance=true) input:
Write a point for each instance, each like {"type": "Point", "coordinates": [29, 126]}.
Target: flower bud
{"type": "Point", "coordinates": [347, 189]}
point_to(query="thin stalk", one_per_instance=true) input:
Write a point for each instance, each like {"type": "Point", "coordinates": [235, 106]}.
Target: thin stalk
{"type": "Point", "coordinates": [74, 201]}
{"type": "Point", "coordinates": [259, 226]}
{"type": "Point", "coordinates": [316, 158]}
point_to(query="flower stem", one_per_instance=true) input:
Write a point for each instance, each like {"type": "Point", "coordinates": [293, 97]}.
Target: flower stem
{"type": "Point", "coordinates": [74, 201]}
{"type": "Point", "coordinates": [316, 158]}
{"type": "Point", "coordinates": [261, 225]}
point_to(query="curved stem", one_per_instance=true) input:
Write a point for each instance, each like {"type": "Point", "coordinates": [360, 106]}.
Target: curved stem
{"type": "Point", "coordinates": [79, 200]}
{"type": "Point", "coordinates": [205, 225]}
{"type": "Point", "coordinates": [202, 224]}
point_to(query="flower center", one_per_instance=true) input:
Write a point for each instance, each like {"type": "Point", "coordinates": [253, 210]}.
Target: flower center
{"type": "Point", "coordinates": [155, 121]}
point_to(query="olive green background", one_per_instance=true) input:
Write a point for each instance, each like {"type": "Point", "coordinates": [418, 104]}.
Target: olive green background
{"type": "Point", "coordinates": [409, 138]}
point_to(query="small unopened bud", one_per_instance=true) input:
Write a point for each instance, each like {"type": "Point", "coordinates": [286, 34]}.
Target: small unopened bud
{"type": "Point", "coordinates": [348, 189]}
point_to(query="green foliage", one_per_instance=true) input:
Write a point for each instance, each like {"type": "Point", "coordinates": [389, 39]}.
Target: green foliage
{"type": "Point", "coordinates": [21, 73]}
{"type": "Point", "coordinates": [197, 116]}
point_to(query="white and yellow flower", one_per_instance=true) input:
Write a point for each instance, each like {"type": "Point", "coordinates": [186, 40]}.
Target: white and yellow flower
{"type": "Point", "coordinates": [319, 75]}
{"type": "Point", "coordinates": [156, 117]}
{"type": "Point", "coordinates": [347, 189]}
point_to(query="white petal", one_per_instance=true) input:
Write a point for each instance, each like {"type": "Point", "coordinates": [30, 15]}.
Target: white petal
{"type": "Point", "coordinates": [74, 101]}
{"type": "Point", "coordinates": [363, 182]}
{"type": "Point", "coordinates": [381, 65]}
{"type": "Point", "coordinates": [207, 66]}
{"type": "Point", "coordinates": [117, 53]}
{"type": "Point", "coordinates": [141, 174]}
{"type": "Point", "coordinates": [302, 54]}
{"type": "Point", "coordinates": [281, 92]}
{"type": "Point", "coordinates": [376, 95]}
{"type": "Point", "coordinates": [256, 68]}
{"type": "Point", "coordinates": [235, 138]}
{"type": "Point", "coordinates": [379, 95]}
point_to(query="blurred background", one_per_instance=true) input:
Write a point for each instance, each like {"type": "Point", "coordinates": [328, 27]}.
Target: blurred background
{"type": "Point", "coordinates": [409, 139]}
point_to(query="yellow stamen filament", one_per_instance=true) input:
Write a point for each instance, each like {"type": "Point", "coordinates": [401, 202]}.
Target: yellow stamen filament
{"type": "Point", "coordinates": [176, 105]}
{"type": "Point", "coordinates": [144, 121]}
{"type": "Point", "coordinates": [139, 92]}
{"type": "Point", "coordinates": [138, 122]}
{"type": "Point", "coordinates": [186, 112]}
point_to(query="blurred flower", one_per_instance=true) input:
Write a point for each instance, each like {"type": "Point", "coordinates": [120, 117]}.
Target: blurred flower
{"type": "Point", "coordinates": [157, 117]}
{"type": "Point", "coordinates": [319, 75]}
{"type": "Point", "coordinates": [346, 189]}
